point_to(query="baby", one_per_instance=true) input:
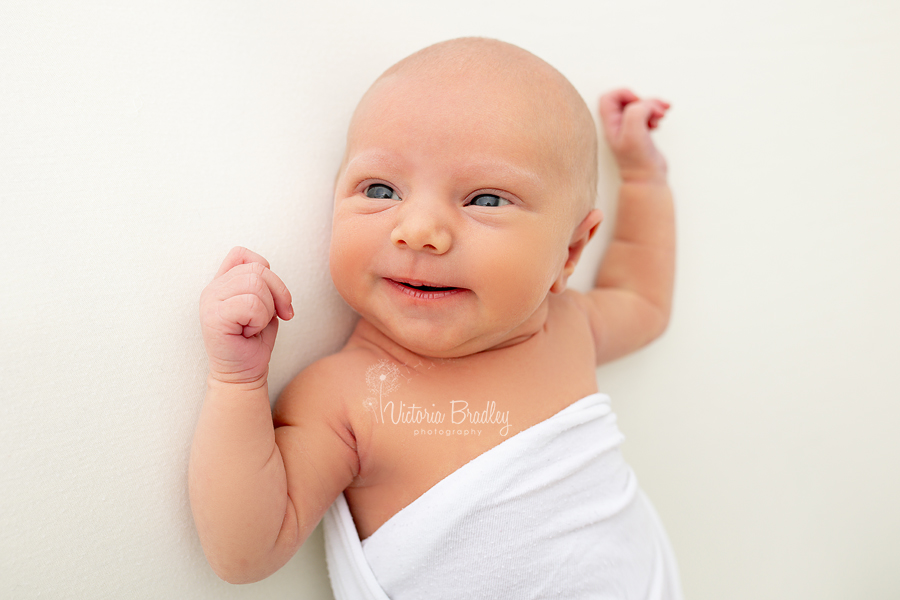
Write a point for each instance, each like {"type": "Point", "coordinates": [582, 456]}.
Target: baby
{"type": "Point", "coordinates": [457, 445]}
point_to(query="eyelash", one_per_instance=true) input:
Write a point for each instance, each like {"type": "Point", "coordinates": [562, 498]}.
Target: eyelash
{"type": "Point", "coordinates": [501, 200]}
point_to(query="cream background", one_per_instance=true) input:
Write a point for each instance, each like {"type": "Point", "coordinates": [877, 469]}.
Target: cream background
{"type": "Point", "coordinates": [140, 141]}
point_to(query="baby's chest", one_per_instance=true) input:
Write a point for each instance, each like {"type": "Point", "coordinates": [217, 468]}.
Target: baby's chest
{"type": "Point", "coordinates": [460, 408]}
{"type": "Point", "coordinates": [426, 428]}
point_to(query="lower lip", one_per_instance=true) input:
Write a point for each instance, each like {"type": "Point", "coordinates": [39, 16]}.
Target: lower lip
{"type": "Point", "coordinates": [422, 294]}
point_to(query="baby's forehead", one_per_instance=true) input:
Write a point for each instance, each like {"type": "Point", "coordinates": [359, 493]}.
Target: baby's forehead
{"type": "Point", "coordinates": [462, 81]}
{"type": "Point", "coordinates": [457, 113]}
{"type": "Point", "coordinates": [504, 83]}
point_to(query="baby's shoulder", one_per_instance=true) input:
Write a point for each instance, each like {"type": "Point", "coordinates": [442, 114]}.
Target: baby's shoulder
{"type": "Point", "coordinates": [327, 384]}
{"type": "Point", "coordinates": [328, 396]}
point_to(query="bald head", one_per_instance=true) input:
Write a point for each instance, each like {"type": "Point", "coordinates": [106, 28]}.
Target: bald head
{"type": "Point", "coordinates": [485, 71]}
{"type": "Point", "coordinates": [473, 54]}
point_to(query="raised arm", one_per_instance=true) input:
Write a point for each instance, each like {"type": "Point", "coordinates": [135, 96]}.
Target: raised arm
{"type": "Point", "coordinates": [257, 491]}
{"type": "Point", "coordinates": [632, 297]}
{"type": "Point", "coordinates": [236, 476]}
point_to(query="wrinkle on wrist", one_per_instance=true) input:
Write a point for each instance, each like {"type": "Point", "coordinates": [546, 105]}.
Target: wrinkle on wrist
{"type": "Point", "coordinates": [214, 382]}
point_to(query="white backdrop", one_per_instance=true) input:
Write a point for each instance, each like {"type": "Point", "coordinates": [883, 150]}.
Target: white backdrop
{"type": "Point", "coordinates": [140, 141]}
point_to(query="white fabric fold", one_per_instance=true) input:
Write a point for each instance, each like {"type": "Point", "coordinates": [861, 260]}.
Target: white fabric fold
{"type": "Point", "coordinates": [552, 512]}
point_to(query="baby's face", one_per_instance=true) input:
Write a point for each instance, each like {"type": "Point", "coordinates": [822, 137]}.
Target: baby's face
{"type": "Point", "coordinates": [452, 216]}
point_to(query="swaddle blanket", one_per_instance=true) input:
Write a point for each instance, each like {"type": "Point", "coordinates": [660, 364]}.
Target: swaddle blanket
{"type": "Point", "coordinates": [552, 512]}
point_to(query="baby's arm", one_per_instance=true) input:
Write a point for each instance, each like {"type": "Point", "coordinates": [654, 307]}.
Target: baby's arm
{"type": "Point", "coordinates": [250, 520]}
{"type": "Point", "coordinates": [632, 299]}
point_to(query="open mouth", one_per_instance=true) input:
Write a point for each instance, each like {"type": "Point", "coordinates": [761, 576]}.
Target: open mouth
{"type": "Point", "coordinates": [421, 287]}
{"type": "Point", "coordinates": [427, 288]}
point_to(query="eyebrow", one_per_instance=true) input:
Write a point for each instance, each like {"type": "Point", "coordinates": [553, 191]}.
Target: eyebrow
{"type": "Point", "coordinates": [374, 158]}
{"type": "Point", "coordinates": [487, 168]}
{"type": "Point", "coordinates": [505, 171]}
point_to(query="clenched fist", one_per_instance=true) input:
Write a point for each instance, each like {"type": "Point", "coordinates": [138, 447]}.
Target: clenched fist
{"type": "Point", "coordinates": [239, 314]}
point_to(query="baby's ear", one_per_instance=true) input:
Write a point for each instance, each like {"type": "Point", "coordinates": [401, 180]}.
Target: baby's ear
{"type": "Point", "coordinates": [580, 237]}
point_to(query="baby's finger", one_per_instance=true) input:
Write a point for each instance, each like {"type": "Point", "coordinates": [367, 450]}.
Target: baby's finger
{"type": "Point", "coordinates": [613, 102]}
{"type": "Point", "coordinates": [638, 116]}
{"type": "Point", "coordinates": [245, 280]}
{"type": "Point", "coordinates": [240, 256]}
{"type": "Point", "coordinates": [657, 112]}
{"type": "Point", "coordinates": [256, 278]}
{"type": "Point", "coordinates": [280, 294]}
{"type": "Point", "coordinates": [611, 107]}
{"type": "Point", "coordinates": [244, 314]}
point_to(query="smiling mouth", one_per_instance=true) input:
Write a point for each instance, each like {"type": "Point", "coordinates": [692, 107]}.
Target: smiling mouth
{"type": "Point", "coordinates": [427, 288]}
{"type": "Point", "coordinates": [424, 288]}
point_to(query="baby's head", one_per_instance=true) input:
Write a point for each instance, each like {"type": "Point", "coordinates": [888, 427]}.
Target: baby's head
{"type": "Point", "coordinates": [470, 167]}
{"type": "Point", "coordinates": [481, 78]}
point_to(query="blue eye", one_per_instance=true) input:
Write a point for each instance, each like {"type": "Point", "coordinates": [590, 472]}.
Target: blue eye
{"type": "Point", "coordinates": [488, 200]}
{"type": "Point", "coordinates": [379, 191]}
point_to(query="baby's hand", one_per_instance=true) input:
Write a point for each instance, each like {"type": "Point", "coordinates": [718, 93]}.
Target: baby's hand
{"type": "Point", "coordinates": [627, 121]}
{"type": "Point", "coordinates": [238, 316]}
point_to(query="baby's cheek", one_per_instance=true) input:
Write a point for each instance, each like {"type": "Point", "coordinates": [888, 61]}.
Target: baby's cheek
{"type": "Point", "coordinates": [521, 288]}
{"type": "Point", "coordinates": [335, 265]}
{"type": "Point", "coordinates": [342, 263]}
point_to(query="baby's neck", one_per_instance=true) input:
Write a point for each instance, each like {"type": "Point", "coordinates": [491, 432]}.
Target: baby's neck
{"type": "Point", "coordinates": [369, 333]}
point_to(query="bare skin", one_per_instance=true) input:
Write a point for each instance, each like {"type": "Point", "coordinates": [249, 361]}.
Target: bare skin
{"type": "Point", "coordinates": [467, 196]}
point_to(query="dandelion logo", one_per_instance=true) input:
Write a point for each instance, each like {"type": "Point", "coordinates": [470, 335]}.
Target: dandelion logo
{"type": "Point", "coordinates": [382, 378]}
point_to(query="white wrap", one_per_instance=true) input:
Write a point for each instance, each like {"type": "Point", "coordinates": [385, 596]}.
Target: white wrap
{"type": "Point", "coordinates": [552, 512]}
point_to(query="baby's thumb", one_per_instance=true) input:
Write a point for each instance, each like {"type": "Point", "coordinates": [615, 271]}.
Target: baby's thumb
{"type": "Point", "coordinates": [268, 334]}
{"type": "Point", "coordinates": [636, 118]}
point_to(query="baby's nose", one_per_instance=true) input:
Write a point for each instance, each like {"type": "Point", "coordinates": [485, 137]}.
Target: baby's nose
{"type": "Point", "coordinates": [421, 228]}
